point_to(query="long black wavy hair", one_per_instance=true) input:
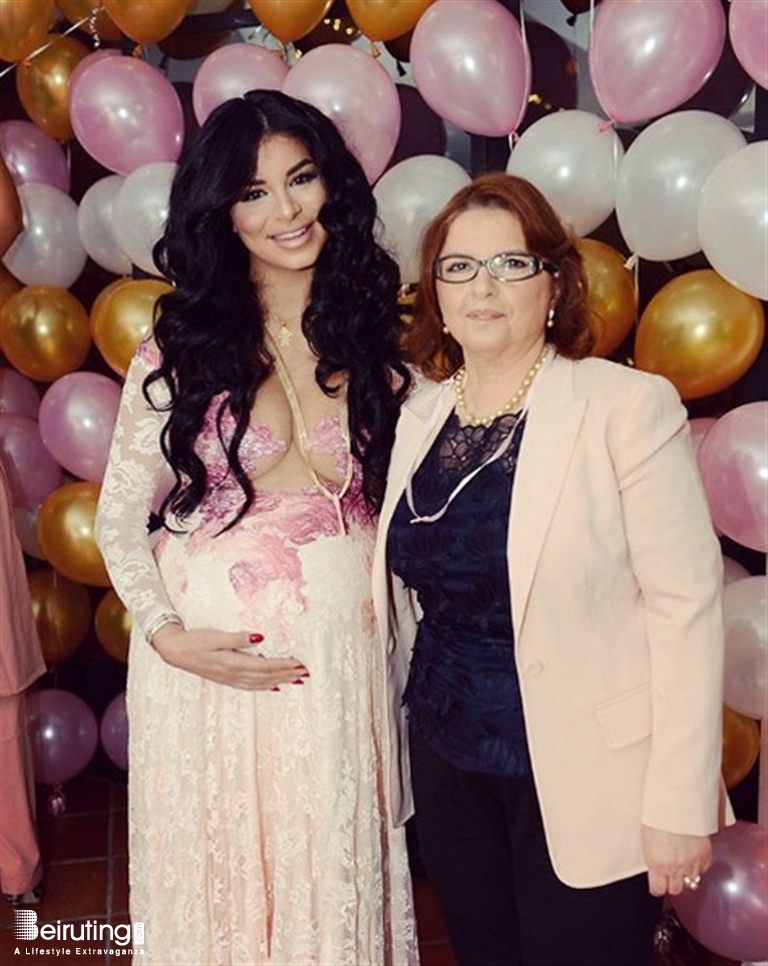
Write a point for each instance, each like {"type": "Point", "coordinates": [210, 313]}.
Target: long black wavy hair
{"type": "Point", "coordinates": [210, 328]}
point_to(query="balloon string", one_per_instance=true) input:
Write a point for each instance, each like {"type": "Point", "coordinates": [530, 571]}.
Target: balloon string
{"type": "Point", "coordinates": [29, 57]}
{"type": "Point", "coordinates": [605, 125]}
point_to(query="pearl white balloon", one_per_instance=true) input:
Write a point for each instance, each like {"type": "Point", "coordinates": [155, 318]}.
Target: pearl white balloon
{"type": "Point", "coordinates": [94, 222]}
{"type": "Point", "coordinates": [573, 159]}
{"type": "Point", "coordinates": [140, 211]}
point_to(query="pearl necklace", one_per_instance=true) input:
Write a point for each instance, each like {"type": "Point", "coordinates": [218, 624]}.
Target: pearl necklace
{"type": "Point", "coordinates": [469, 419]}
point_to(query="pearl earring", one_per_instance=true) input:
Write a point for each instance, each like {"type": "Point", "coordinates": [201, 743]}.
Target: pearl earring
{"type": "Point", "coordinates": [551, 317]}
{"type": "Point", "coordinates": [446, 330]}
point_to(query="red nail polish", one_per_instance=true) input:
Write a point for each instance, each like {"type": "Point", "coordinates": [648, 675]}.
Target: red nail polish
{"type": "Point", "coordinates": [297, 681]}
{"type": "Point", "coordinates": [275, 688]}
{"type": "Point", "coordinates": [255, 638]}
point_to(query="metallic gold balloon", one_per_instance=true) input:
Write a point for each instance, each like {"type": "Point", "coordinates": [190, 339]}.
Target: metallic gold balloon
{"type": "Point", "coordinates": [44, 332]}
{"type": "Point", "coordinates": [147, 21]}
{"type": "Point", "coordinates": [113, 626]}
{"type": "Point", "coordinates": [386, 19]}
{"type": "Point", "coordinates": [122, 316]}
{"type": "Point", "coordinates": [42, 83]}
{"type": "Point", "coordinates": [611, 294]}
{"type": "Point", "coordinates": [100, 23]}
{"type": "Point", "coordinates": [700, 332]}
{"type": "Point", "coordinates": [65, 527]}
{"type": "Point", "coordinates": [289, 19]}
{"type": "Point", "coordinates": [741, 746]}
{"type": "Point", "coordinates": [25, 24]}
{"type": "Point", "coordinates": [62, 611]}
{"type": "Point", "coordinates": [8, 285]}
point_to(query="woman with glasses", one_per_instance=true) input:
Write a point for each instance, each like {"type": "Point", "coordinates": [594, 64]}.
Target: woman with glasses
{"type": "Point", "coordinates": [547, 583]}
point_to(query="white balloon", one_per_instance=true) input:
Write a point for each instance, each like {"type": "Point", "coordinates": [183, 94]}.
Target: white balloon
{"type": "Point", "coordinates": [48, 251]}
{"type": "Point", "coordinates": [733, 219]}
{"type": "Point", "coordinates": [661, 177]}
{"type": "Point", "coordinates": [573, 159]}
{"type": "Point", "coordinates": [409, 195]}
{"type": "Point", "coordinates": [94, 223]}
{"type": "Point", "coordinates": [745, 604]}
{"type": "Point", "coordinates": [140, 211]}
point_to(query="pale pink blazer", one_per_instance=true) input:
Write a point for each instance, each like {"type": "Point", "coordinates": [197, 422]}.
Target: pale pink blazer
{"type": "Point", "coordinates": [615, 582]}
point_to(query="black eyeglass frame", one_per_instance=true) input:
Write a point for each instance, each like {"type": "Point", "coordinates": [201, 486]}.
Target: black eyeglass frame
{"type": "Point", "coordinates": [536, 266]}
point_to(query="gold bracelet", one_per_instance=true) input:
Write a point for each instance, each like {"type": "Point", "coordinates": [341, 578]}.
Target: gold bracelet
{"type": "Point", "coordinates": [159, 622]}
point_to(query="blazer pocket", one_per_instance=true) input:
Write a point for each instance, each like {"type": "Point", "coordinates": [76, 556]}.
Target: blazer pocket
{"type": "Point", "coordinates": [627, 718]}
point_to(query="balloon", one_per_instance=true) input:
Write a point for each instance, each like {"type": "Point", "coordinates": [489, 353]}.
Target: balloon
{"type": "Point", "coordinates": [114, 731]}
{"type": "Point", "coordinates": [746, 646]}
{"type": "Point", "coordinates": [113, 626]}
{"type": "Point", "coordinates": [421, 130]}
{"type": "Point", "coordinates": [32, 472]}
{"type": "Point", "coordinates": [44, 332]}
{"type": "Point", "coordinates": [732, 215]}
{"type": "Point", "coordinates": [32, 157]}
{"type": "Point", "coordinates": [610, 293]}
{"type": "Point", "coordinates": [727, 89]}
{"type": "Point", "coordinates": [231, 71]}
{"type": "Point", "coordinates": [647, 58]}
{"type": "Point", "coordinates": [670, 161]}
{"type": "Point", "coordinates": [18, 396]}
{"type": "Point", "coordinates": [573, 163]}
{"type": "Point", "coordinates": [65, 529]}
{"type": "Point", "coordinates": [471, 66]}
{"type": "Point", "coordinates": [357, 94]}
{"type": "Point", "coordinates": [93, 58]}
{"type": "Point", "coordinates": [64, 735]}
{"type": "Point", "coordinates": [748, 28]}
{"type": "Point", "coordinates": [48, 251]}
{"type": "Point", "coordinates": [95, 227]}
{"type": "Point", "coordinates": [77, 419]}
{"type": "Point", "coordinates": [25, 525]}
{"type": "Point", "coordinates": [733, 459]}
{"type": "Point", "coordinates": [141, 210]}
{"type": "Point", "coordinates": [99, 24]}
{"type": "Point", "coordinates": [741, 746]}
{"type": "Point", "coordinates": [25, 25]}
{"type": "Point", "coordinates": [126, 113]}
{"type": "Point", "coordinates": [733, 570]}
{"type": "Point", "coordinates": [408, 197]}
{"type": "Point", "coordinates": [147, 21]}
{"type": "Point", "coordinates": [62, 612]}
{"type": "Point", "coordinates": [289, 19]}
{"type": "Point", "coordinates": [42, 82]}
{"type": "Point", "coordinates": [700, 332]}
{"type": "Point", "coordinates": [8, 285]}
{"type": "Point", "coordinates": [122, 317]}
{"type": "Point", "coordinates": [386, 19]}
{"type": "Point", "coordinates": [728, 912]}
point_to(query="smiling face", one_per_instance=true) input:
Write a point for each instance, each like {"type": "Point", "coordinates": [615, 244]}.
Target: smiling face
{"type": "Point", "coordinates": [277, 216]}
{"type": "Point", "coordinates": [493, 320]}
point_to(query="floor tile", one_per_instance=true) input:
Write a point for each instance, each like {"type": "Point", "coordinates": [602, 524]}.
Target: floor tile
{"type": "Point", "coordinates": [119, 886]}
{"type": "Point", "coordinates": [77, 836]}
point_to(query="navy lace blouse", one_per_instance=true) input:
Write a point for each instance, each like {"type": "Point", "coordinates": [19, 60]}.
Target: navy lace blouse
{"type": "Point", "coordinates": [463, 695]}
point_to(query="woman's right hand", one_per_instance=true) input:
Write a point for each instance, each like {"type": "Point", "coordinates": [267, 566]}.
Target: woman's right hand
{"type": "Point", "coordinates": [225, 658]}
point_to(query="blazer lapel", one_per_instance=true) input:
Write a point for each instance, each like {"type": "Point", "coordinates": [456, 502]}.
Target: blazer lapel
{"type": "Point", "coordinates": [552, 427]}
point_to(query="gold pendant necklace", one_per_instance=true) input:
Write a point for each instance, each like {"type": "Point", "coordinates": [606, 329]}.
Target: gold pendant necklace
{"type": "Point", "coordinates": [284, 334]}
{"type": "Point", "coordinates": [469, 419]}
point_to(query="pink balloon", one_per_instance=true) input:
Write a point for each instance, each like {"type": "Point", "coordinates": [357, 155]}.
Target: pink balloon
{"type": "Point", "coordinates": [745, 605]}
{"type": "Point", "coordinates": [357, 94]}
{"type": "Point", "coordinates": [748, 27]}
{"type": "Point", "coordinates": [114, 731]}
{"type": "Point", "coordinates": [699, 427]}
{"type": "Point", "coordinates": [126, 113]}
{"type": "Point", "coordinates": [648, 58]}
{"type": "Point", "coordinates": [77, 418]}
{"type": "Point", "coordinates": [18, 396]}
{"type": "Point", "coordinates": [32, 472]}
{"type": "Point", "coordinates": [470, 65]}
{"type": "Point", "coordinates": [729, 911]}
{"type": "Point", "coordinates": [733, 459]}
{"type": "Point", "coordinates": [82, 65]}
{"type": "Point", "coordinates": [63, 733]}
{"type": "Point", "coordinates": [32, 156]}
{"type": "Point", "coordinates": [232, 70]}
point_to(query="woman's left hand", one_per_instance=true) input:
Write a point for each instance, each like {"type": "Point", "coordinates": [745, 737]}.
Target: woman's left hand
{"type": "Point", "coordinates": [675, 862]}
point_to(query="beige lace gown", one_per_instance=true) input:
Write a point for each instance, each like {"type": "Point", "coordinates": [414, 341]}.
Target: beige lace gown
{"type": "Point", "coordinates": [258, 828]}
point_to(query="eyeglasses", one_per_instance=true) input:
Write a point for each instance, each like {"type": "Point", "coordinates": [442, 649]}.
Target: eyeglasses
{"type": "Point", "coordinates": [505, 267]}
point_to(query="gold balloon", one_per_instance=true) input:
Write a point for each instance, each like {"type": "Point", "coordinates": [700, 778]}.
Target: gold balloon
{"type": "Point", "coordinates": [44, 332]}
{"type": "Point", "coordinates": [611, 294]}
{"type": "Point", "coordinates": [8, 285]}
{"type": "Point", "coordinates": [147, 21]}
{"type": "Point", "coordinates": [741, 746]}
{"type": "Point", "coordinates": [289, 19]}
{"type": "Point", "coordinates": [100, 23]}
{"type": "Point", "coordinates": [62, 611]}
{"type": "Point", "coordinates": [113, 626]}
{"type": "Point", "coordinates": [386, 19]}
{"type": "Point", "coordinates": [700, 332]}
{"type": "Point", "coordinates": [65, 527]}
{"type": "Point", "coordinates": [25, 24]}
{"type": "Point", "coordinates": [42, 83]}
{"type": "Point", "coordinates": [122, 316]}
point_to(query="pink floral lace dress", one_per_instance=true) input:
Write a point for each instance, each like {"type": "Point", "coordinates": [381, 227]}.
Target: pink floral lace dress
{"type": "Point", "coordinates": [258, 831]}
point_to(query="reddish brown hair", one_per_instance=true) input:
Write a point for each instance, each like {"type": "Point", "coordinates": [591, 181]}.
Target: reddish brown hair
{"type": "Point", "coordinates": [437, 353]}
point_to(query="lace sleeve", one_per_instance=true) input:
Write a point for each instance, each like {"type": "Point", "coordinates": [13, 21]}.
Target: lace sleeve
{"type": "Point", "coordinates": [136, 478]}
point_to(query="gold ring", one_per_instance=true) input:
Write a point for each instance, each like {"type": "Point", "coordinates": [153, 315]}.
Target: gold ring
{"type": "Point", "coordinates": [691, 883]}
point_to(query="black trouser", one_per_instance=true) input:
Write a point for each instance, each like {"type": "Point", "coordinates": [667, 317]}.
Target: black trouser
{"type": "Point", "coordinates": [482, 843]}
